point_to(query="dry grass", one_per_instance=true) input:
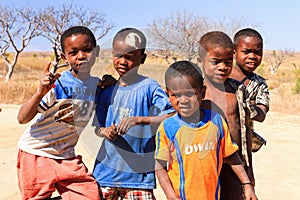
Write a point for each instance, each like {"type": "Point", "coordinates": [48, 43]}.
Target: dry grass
{"type": "Point", "coordinates": [29, 68]}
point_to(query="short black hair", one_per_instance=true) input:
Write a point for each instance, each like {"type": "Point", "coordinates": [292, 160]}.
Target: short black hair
{"type": "Point", "coordinates": [184, 68]}
{"type": "Point", "coordinates": [139, 38]}
{"type": "Point", "coordinates": [246, 32]}
{"type": "Point", "coordinates": [213, 39]}
{"type": "Point", "coordinates": [74, 31]}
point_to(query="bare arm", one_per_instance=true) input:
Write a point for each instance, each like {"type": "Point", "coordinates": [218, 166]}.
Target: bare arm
{"type": "Point", "coordinates": [128, 122]}
{"type": "Point", "coordinates": [29, 109]}
{"type": "Point", "coordinates": [164, 181]}
{"type": "Point", "coordinates": [239, 170]}
{"type": "Point", "coordinates": [261, 112]}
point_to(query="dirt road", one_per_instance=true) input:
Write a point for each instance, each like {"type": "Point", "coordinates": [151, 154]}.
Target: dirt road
{"type": "Point", "coordinates": [276, 165]}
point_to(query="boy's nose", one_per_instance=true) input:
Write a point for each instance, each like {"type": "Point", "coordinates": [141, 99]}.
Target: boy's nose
{"type": "Point", "coordinates": [81, 54]}
{"type": "Point", "coordinates": [123, 61]}
{"type": "Point", "coordinates": [222, 66]}
{"type": "Point", "coordinates": [183, 99]}
{"type": "Point", "coordinates": [252, 56]}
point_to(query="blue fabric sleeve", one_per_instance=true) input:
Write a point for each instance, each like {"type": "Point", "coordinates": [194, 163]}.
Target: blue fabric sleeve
{"type": "Point", "coordinates": [102, 103]}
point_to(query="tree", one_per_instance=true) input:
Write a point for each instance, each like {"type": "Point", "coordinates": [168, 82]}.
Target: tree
{"type": "Point", "coordinates": [20, 25]}
{"type": "Point", "coordinates": [276, 58]}
{"type": "Point", "coordinates": [181, 32]}
{"type": "Point", "coordinates": [56, 20]}
{"type": "Point", "coordinates": [18, 28]}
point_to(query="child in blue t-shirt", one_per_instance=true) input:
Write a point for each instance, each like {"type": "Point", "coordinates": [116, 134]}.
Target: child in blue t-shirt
{"type": "Point", "coordinates": [126, 114]}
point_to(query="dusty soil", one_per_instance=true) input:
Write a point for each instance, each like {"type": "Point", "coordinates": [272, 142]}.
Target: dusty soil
{"type": "Point", "coordinates": [276, 164]}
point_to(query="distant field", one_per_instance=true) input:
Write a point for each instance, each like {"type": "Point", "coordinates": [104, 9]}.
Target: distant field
{"type": "Point", "coordinates": [29, 68]}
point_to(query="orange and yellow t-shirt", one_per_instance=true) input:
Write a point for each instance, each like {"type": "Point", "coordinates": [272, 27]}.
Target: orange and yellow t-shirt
{"type": "Point", "coordinates": [195, 154]}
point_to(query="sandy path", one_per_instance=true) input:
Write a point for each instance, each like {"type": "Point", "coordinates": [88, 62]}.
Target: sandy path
{"type": "Point", "coordinates": [276, 165]}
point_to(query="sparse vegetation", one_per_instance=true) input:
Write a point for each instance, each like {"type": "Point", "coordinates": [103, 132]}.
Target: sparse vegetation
{"type": "Point", "coordinates": [284, 84]}
{"type": "Point", "coordinates": [296, 89]}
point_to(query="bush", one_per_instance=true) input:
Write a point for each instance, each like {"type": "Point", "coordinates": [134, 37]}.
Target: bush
{"type": "Point", "coordinates": [296, 89]}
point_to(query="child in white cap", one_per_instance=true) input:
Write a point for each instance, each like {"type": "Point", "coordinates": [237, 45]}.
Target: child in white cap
{"type": "Point", "coordinates": [126, 114]}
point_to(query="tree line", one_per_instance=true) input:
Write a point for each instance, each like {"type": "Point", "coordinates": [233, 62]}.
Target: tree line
{"type": "Point", "coordinates": [173, 36]}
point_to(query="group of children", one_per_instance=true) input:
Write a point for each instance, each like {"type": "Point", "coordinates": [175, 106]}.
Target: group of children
{"type": "Point", "coordinates": [194, 137]}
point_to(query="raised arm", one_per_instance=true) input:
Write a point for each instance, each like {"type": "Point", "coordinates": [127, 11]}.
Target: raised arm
{"type": "Point", "coordinates": [29, 109]}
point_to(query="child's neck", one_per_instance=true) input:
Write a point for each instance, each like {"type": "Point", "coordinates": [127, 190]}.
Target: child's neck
{"type": "Point", "coordinates": [211, 85]}
{"type": "Point", "coordinates": [194, 118]}
{"type": "Point", "coordinates": [81, 75]}
{"type": "Point", "coordinates": [238, 74]}
{"type": "Point", "coordinates": [129, 79]}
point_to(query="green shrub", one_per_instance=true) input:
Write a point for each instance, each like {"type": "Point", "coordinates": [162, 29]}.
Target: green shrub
{"type": "Point", "coordinates": [296, 89]}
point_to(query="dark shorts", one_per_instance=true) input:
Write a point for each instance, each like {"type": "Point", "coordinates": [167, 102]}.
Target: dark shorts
{"type": "Point", "coordinates": [231, 187]}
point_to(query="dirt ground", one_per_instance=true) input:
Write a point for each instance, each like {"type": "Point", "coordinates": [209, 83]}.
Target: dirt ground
{"type": "Point", "coordinates": [276, 165]}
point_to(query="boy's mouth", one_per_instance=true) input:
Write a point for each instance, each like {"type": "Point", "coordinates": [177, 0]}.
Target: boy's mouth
{"type": "Point", "coordinates": [251, 64]}
{"type": "Point", "coordinates": [122, 70]}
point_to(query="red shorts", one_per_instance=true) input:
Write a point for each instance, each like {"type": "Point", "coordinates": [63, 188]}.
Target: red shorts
{"type": "Point", "coordinates": [110, 193]}
{"type": "Point", "coordinates": [39, 177]}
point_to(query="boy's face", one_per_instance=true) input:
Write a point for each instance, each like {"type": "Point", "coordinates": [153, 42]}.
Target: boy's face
{"type": "Point", "coordinates": [217, 64]}
{"type": "Point", "coordinates": [185, 95]}
{"type": "Point", "coordinates": [80, 53]}
{"type": "Point", "coordinates": [126, 58]}
{"type": "Point", "coordinates": [248, 53]}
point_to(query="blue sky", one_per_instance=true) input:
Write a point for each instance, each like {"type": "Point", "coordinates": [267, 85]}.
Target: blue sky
{"type": "Point", "coordinates": [277, 20]}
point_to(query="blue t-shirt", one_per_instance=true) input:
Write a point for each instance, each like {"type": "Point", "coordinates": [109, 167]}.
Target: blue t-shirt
{"type": "Point", "coordinates": [128, 161]}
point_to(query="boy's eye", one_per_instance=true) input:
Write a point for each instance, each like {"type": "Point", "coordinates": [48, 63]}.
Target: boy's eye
{"type": "Point", "coordinates": [128, 57]}
{"type": "Point", "coordinates": [73, 53]}
{"type": "Point", "coordinates": [189, 94]}
{"type": "Point", "coordinates": [87, 50]}
{"type": "Point", "coordinates": [228, 62]}
{"type": "Point", "coordinates": [125, 56]}
{"type": "Point", "coordinates": [258, 52]}
{"type": "Point", "coordinates": [117, 55]}
{"type": "Point", "coordinates": [175, 95]}
{"type": "Point", "coordinates": [214, 62]}
{"type": "Point", "coordinates": [186, 94]}
{"type": "Point", "coordinates": [248, 51]}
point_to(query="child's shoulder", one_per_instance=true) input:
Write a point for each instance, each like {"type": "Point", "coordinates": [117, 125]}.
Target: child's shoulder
{"type": "Point", "coordinates": [257, 78]}
{"type": "Point", "coordinates": [211, 114]}
{"type": "Point", "coordinates": [146, 79]}
{"type": "Point", "coordinates": [233, 83]}
{"type": "Point", "coordinates": [147, 82]}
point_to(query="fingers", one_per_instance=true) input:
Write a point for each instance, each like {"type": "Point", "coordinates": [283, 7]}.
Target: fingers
{"type": "Point", "coordinates": [112, 132]}
{"type": "Point", "coordinates": [121, 129]}
{"type": "Point", "coordinates": [125, 124]}
{"type": "Point", "coordinates": [49, 78]}
{"type": "Point", "coordinates": [47, 67]}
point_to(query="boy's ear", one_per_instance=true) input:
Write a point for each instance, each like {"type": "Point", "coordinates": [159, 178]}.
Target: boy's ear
{"type": "Point", "coordinates": [97, 49]}
{"type": "Point", "coordinates": [144, 56]}
{"type": "Point", "coordinates": [166, 91]}
{"type": "Point", "coordinates": [62, 55]}
{"type": "Point", "coordinates": [199, 59]}
{"type": "Point", "coordinates": [234, 54]}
